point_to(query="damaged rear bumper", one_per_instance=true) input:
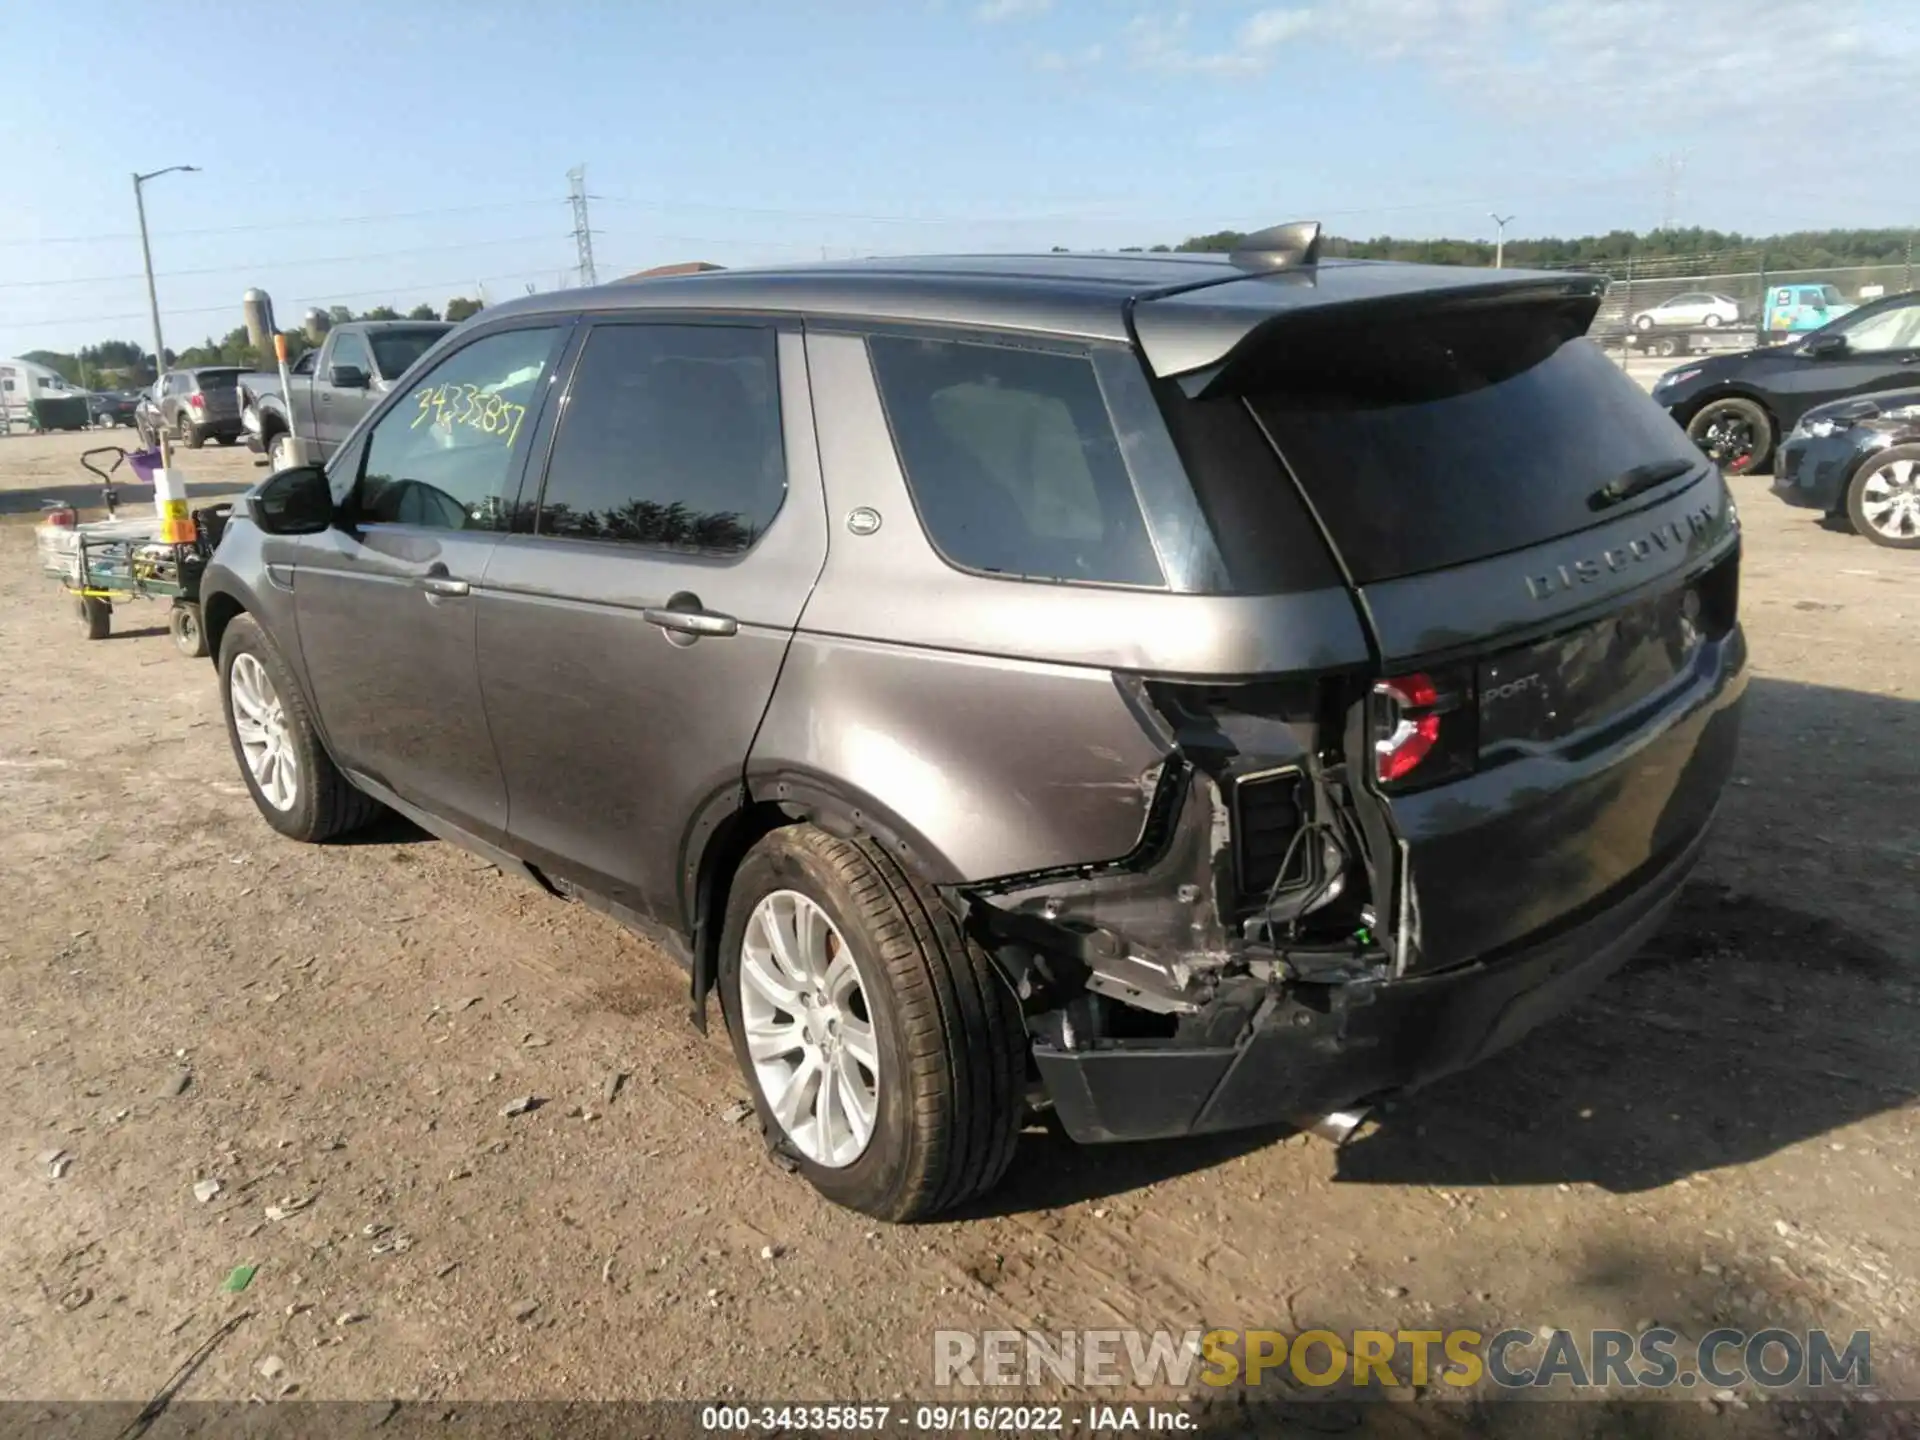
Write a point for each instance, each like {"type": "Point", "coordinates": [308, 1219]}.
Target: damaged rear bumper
{"type": "Point", "coordinates": [1312, 1048]}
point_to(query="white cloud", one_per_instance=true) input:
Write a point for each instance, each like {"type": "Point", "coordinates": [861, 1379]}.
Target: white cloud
{"type": "Point", "coordinates": [1270, 28]}
{"type": "Point", "coordinates": [1062, 61]}
{"type": "Point", "coordinates": [1160, 42]}
{"type": "Point", "coordinates": [1739, 68]}
{"type": "Point", "coordinates": [994, 11]}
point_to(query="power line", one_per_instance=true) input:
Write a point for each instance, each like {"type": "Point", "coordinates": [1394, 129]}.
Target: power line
{"type": "Point", "coordinates": [1049, 218]}
{"type": "Point", "coordinates": [244, 265]}
{"type": "Point", "coordinates": [307, 223]}
{"type": "Point", "coordinates": [385, 291]}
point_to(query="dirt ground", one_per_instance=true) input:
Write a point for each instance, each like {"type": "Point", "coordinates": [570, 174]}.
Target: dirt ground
{"type": "Point", "coordinates": [1726, 1134]}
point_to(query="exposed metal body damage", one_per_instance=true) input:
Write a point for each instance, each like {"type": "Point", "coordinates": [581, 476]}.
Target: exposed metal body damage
{"type": "Point", "coordinates": [1201, 930]}
{"type": "Point", "coordinates": [1260, 953]}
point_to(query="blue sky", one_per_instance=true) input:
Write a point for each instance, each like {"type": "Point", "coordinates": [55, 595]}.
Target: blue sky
{"type": "Point", "coordinates": [421, 151]}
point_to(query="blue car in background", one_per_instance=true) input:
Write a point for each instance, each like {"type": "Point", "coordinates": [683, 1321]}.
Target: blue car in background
{"type": "Point", "coordinates": [1795, 309]}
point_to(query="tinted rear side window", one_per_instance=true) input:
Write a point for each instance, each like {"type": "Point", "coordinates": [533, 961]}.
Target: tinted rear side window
{"type": "Point", "coordinates": [1455, 437]}
{"type": "Point", "coordinates": [1013, 462]}
{"type": "Point", "coordinates": [670, 438]}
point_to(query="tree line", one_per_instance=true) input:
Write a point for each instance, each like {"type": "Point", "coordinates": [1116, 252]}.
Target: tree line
{"type": "Point", "coordinates": [1800, 250]}
{"type": "Point", "coordinates": [118, 364]}
{"type": "Point", "coordinates": [124, 363]}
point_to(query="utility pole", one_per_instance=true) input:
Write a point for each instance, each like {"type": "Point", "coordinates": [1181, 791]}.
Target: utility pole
{"type": "Point", "coordinates": [582, 231]}
{"type": "Point", "coordinates": [1500, 242]}
{"type": "Point", "coordinates": [169, 494]}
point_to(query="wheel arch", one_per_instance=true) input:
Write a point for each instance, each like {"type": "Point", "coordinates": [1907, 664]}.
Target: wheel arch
{"type": "Point", "coordinates": [733, 820]}
{"type": "Point", "coordinates": [217, 611]}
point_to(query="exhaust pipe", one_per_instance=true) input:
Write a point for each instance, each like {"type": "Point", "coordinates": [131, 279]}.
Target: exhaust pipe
{"type": "Point", "coordinates": [1336, 1127]}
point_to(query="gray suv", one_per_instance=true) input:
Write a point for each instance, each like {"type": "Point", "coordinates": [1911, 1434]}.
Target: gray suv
{"type": "Point", "coordinates": [1178, 693]}
{"type": "Point", "coordinates": [193, 406]}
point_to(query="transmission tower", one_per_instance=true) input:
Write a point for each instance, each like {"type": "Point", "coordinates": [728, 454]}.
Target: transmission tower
{"type": "Point", "coordinates": [582, 231]}
{"type": "Point", "coordinates": [1670, 206]}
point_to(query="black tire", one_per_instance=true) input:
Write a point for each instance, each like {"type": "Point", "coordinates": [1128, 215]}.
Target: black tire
{"type": "Point", "coordinates": [1900, 530]}
{"type": "Point", "coordinates": [951, 1043]}
{"type": "Point", "coordinates": [96, 617]}
{"type": "Point", "coordinates": [325, 804]}
{"type": "Point", "coordinates": [1736, 433]}
{"type": "Point", "coordinates": [1666, 346]}
{"type": "Point", "coordinates": [1712, 322]}
{"type": "Point", "coordinates": [1643, 323]}
{"type": "Point", "coordinates": [190, 435]}
{"type": "Point", "coordinates": [189, 636]}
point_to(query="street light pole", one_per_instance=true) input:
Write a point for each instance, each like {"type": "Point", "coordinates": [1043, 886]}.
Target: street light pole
{"type": "Point", "coordinates": [1500, 243]}
{"type": "Point", "coordinates": [174, 523]}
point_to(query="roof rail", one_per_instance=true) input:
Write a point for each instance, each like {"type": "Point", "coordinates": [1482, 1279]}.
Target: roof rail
{"type": "Point", "coordinates": [1279, 247]}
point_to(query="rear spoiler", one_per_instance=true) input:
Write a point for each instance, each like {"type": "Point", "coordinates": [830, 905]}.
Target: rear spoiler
{"type": "Point", "coordinates": [1197, 334]}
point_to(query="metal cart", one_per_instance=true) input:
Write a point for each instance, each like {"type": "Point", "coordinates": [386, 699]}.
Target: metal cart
{"type": "Point", "coordinates": [102, 563]}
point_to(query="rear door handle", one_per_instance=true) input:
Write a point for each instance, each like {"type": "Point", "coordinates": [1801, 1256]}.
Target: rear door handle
{"type": "Point", "coordinates": [438, 586]}
{"type": "Point", "coordinates": [691, 622]}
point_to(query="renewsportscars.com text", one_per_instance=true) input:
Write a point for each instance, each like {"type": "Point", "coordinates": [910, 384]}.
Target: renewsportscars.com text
{"type": "Point", "coordinates": [1655, 1359]}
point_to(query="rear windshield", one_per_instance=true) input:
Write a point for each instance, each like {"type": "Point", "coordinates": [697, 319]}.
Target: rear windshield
{"type": "Point", "coordinates": [216, 379]}
{"type": "Point", "coordinates": [1430, 442]}
{"type": "Point", "coordinates": [394, 351]}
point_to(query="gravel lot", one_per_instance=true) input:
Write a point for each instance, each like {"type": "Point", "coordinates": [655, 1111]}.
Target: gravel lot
{"type": "Point", "coordinates": [1727, 1133]}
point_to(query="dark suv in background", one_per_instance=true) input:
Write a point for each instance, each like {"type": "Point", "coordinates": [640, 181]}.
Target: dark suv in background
{"type": "Point", "coordinates": [194, 406]}
{"type": "Point", "coordinates": [1188, 693]}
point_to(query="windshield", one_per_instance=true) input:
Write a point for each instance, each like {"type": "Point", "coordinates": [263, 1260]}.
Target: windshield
{"type": "Point", "coordinates": [216, 379]}
{"type": "Point", "coordinates": [1458, 437]}
{"type": "Point", "coordinates": [394, 351]}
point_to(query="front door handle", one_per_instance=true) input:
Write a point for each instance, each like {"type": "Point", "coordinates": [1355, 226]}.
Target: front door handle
{"type": "Point", "coordinates": [693, 622]}
{"type": "Point", "coordinates": [442, 586]}
{"type": "Point", "coordinates": [683, 614]}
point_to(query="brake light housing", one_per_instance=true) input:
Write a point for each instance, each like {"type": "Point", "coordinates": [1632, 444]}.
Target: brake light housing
{"type": "Point", "coordinates": [1423, 728]}
{"type": "Point", "coordinates": [197, 400]}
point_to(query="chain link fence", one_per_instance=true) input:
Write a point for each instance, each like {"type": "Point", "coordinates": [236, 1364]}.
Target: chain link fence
{"type": "Point", "coordinates": [1727, 300]}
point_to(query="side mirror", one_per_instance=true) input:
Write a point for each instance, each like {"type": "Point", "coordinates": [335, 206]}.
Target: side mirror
{"type": "Point", "coordinates": [1821, 347]}
{"type": "Point", "coordinates": [292, 502]}
{"type": "Point", "coordinates": [348, 377]}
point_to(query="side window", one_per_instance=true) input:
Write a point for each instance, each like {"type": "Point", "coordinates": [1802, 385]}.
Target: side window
{"type": "Point", "coordinates": [304, 365]}
{"type": "Point", "coordinates": [444, 455]}
{"type": "Point", "coordinates": [1012, 461]}
{"type": "Point", "coordinates": [670, 438]}
{"type": "Point", "coordinates": [352, 350]}
{"type": "Point", "coordinates": [1895, 329]}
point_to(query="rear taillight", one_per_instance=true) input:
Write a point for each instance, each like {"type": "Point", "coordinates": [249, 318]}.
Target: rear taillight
{"type": "Point", "coordinates": [1423, 728]}
{"type": "Point", "coordinates": [1406, 705]}
{"type": "Point", "coordinates": [198, 402]}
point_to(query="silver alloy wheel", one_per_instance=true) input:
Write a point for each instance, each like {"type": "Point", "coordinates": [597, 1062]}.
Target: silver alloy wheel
{"type": "Point", "coordinates": [809, 1029]}
{"type": "Point", "coordinates": [1890, 499]}
{"type": "Point", "coordinates": [280, 452]}
{"type": "Point", "coordinates": [260, 721]}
